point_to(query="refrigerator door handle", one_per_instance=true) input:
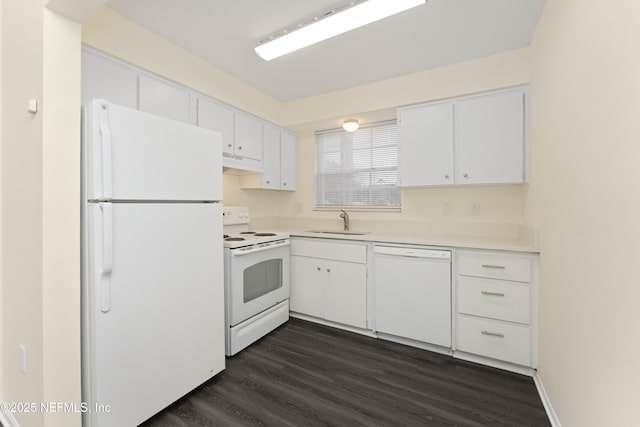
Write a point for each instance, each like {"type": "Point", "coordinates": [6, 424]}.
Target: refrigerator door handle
{"type": "Point", "coordinates": [107, 256]}
{"type": "Point", "coordinates": [106, 158]}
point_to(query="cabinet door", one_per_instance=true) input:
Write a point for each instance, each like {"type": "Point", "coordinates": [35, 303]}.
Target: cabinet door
{"type": "Point", "coordinates": [164, 99]}
{"type": "Point", "coordinates": [103, 78]}
{"type": "Point", "coordinates": [248, 136]}
{"type": "Point", "coordinates": [271, 158]}
{"type": "Point", "coordinates": [345, 296]}
{"type": "Point", "coordinates": [490, 139]}
{"type": "Point", "coordinates": [214, 116]}
{"type": "Point", "coordinates": [426, 145]}
{"type": "Point", "coordinates": [307, 286]}
{"type": "Point", "coordinates": [288, 161]}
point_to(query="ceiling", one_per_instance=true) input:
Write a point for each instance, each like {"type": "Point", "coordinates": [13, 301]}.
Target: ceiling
{"type": "Point", "coordinates": [225, 32]}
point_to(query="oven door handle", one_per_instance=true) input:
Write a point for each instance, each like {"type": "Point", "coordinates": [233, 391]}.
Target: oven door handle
{"type": "Point", "coordinates": [237, 252]}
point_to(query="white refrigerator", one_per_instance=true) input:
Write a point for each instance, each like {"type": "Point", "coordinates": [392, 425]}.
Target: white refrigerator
{"type": "Point", "coordinates": [152, 272]}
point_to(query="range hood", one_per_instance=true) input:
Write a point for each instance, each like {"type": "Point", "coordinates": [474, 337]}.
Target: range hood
{"type": "Point", "coordinates": [240, 165]}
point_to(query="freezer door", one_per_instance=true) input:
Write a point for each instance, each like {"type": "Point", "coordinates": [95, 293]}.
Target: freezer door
{"type": "Point", "coordinates": [154, 293]}
{"type": "Point", "coordinates": [133, 155]}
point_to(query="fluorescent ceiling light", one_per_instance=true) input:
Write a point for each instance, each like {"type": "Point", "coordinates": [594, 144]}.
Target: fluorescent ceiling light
{"type": "Point", "coordinates": [352, 16]}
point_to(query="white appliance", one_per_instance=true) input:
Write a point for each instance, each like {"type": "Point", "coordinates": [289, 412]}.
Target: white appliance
{"type": "Point", "coordinates": [413, 293]}
{"type": "Point", "coordinates": [256, 280]}
{"type": "Point", "coordinates": [152, 272]}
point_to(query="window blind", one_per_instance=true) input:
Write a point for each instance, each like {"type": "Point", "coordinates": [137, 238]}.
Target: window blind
{"type": "Point", "coordinates": [358, 169]}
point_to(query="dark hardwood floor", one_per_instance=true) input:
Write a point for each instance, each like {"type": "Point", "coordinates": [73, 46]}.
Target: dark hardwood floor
{"type": "Point", "coordinates": [304, 374]}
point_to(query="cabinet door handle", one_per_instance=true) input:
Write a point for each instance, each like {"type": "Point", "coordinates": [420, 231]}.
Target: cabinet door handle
{"type": "Point", "coordinates": [493, 334]}
{"type": "Point", "coordinates": [496, 267]}
{"type": "Point", "coordinates": [284, 183]}
{"type": "Point", "coordinates": [466, 175]}
{"type": "Point", "coordinates": [229, 145]}
{"type": "Point", "coordinates": [318, 268]}
{"type": "Point", "coordinates": [328, 270]}
{"type": "Point", "coordinates": [268, 182]}
{"type": "Point", "coordinates": [239, 147]}
{"type": "Point", "coordinates": [446, 176]}
{"type": "Point", "coordinates": [495, 294]}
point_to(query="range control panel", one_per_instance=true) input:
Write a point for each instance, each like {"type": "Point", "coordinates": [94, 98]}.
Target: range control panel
{"type": "Point", "coordinates": [232, 215]}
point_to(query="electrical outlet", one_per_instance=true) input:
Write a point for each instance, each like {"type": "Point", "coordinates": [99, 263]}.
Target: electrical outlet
{"type": "Point", "coordinates": [446, 208]}
{"type": "Point", "coordinates": [475, 208]}
{"type": "Point", "coordinates": [22, 358]}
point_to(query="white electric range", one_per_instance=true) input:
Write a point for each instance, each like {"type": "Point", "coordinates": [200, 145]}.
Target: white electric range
{"type": "Point", "coordinates": [256, 280]}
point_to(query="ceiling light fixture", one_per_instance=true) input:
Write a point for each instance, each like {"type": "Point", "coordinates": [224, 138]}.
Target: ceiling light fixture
{"type": "Point", "coordinates": [350, 125]}
{"type": "Point", "coordinates": [337, 21]}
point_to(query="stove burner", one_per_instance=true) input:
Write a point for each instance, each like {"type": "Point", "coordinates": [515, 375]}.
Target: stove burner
{"type": "Point", "coordinates": [233, 239]}
{"type": "Point", "coordinates": [248, 232]}
{"type": "Point", "coordinates": [265, 234]}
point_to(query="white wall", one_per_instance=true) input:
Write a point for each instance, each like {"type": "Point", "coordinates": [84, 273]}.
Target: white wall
{"type": "Point", "coordinates": [501, 70]}
{"type": "Point", "coordinates": [22, 28]}
{"type": "Point", "coordinates": [61, 215]}
{"type": "Point", "coordinates": [498, 203]}
{"type": "Point", "coordinates": [1, 236]}
{"type": "Point", "coordinates": [40, 196]}
{"type": "Point", "coordinates": [584, 197]}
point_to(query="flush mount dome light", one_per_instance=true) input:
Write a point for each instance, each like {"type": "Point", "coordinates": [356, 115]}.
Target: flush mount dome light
{"type": "Point", "coordinates": [350, 125]}
{"type": "Point", "coordinates": [336, 21]}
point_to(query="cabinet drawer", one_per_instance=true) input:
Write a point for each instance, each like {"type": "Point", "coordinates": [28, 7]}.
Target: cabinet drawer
{"type": "Point", "coordinates": [495, 299]}
{"type": "Point", "coordinates": [491, 338]}
{"type": "Point", "coordinates": [495, 266]}
{"type": "Point", "coordinates": [329, 249]}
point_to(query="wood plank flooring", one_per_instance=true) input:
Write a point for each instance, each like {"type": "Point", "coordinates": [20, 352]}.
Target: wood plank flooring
{"type": "Point", "coordinates": [304, 374]}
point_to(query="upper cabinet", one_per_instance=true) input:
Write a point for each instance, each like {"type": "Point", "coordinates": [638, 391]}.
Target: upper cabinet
{"type": "Point", "coordinates": [271, 158]}
{"type": "Point", "coordinates": [103, 78]}
{"type": "Point", "coordinates": [164, 99]}
{"type": "Point", "coordinates": [490, 139]}
{"type": "Point", "coordinates": [248, 136]}
{"type": "Point", "coordinates": [288, 161]}
{"type": "Point", "coordinates": [426, 145]}
{"type": "Point", "coordinates": [243, 135]}
{"type": "Point", "coordinates": [278, 161]}
{"type": "Point", "coordinates": [215, 116]}
{"type": "Point", "coordinates": [473, 140]}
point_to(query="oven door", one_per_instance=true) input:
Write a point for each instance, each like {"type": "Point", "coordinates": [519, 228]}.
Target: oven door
{"type": "Point", "coordinates": [258, 279]}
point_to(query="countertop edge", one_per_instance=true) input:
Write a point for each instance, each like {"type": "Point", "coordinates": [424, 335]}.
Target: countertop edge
{"type": "Point", "coordinates": [458, 242]}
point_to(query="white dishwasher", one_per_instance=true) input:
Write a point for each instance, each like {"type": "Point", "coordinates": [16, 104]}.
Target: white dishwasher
{"type": "Point", "coordinates": [413, 293]}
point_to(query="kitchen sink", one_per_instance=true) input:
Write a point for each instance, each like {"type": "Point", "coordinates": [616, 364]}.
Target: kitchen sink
{"type": "Point", "coordinates": [351, 233]}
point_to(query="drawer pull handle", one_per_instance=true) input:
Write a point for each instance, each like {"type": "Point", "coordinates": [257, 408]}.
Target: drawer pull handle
{"type": "Point", "coordinates": [493, 334]}
{"type": "Point", "coordinates": [495, 294]}
{"type": "Point", "coordinates": [497, 267]}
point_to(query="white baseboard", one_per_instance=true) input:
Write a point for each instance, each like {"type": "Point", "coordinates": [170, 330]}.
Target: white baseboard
{"type": "Point", "coordinates": [7, 420]}
{"type": "Point", "coordinates": [553, 418]}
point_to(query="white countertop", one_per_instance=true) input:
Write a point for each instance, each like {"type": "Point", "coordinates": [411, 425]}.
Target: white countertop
{"type": "Point", "coordinates": [490, 243]}
{"type": "Point", "coordinates": [497, 236]}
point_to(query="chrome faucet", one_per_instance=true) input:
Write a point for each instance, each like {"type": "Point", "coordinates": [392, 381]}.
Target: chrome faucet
{"type": "Point", "coordinates": [345, 216]}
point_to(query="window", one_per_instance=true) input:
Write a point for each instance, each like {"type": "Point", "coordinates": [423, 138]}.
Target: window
{"type": "Point", "coordinates": [358, 169]}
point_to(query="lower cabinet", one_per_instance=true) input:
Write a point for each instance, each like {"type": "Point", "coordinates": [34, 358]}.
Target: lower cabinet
{"type": "Point", "coordinates": [329, 280]}
{"type": "Point", "coordinates": [493, 312]}
{"type": "Point", "coordinates": [496, 306]}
